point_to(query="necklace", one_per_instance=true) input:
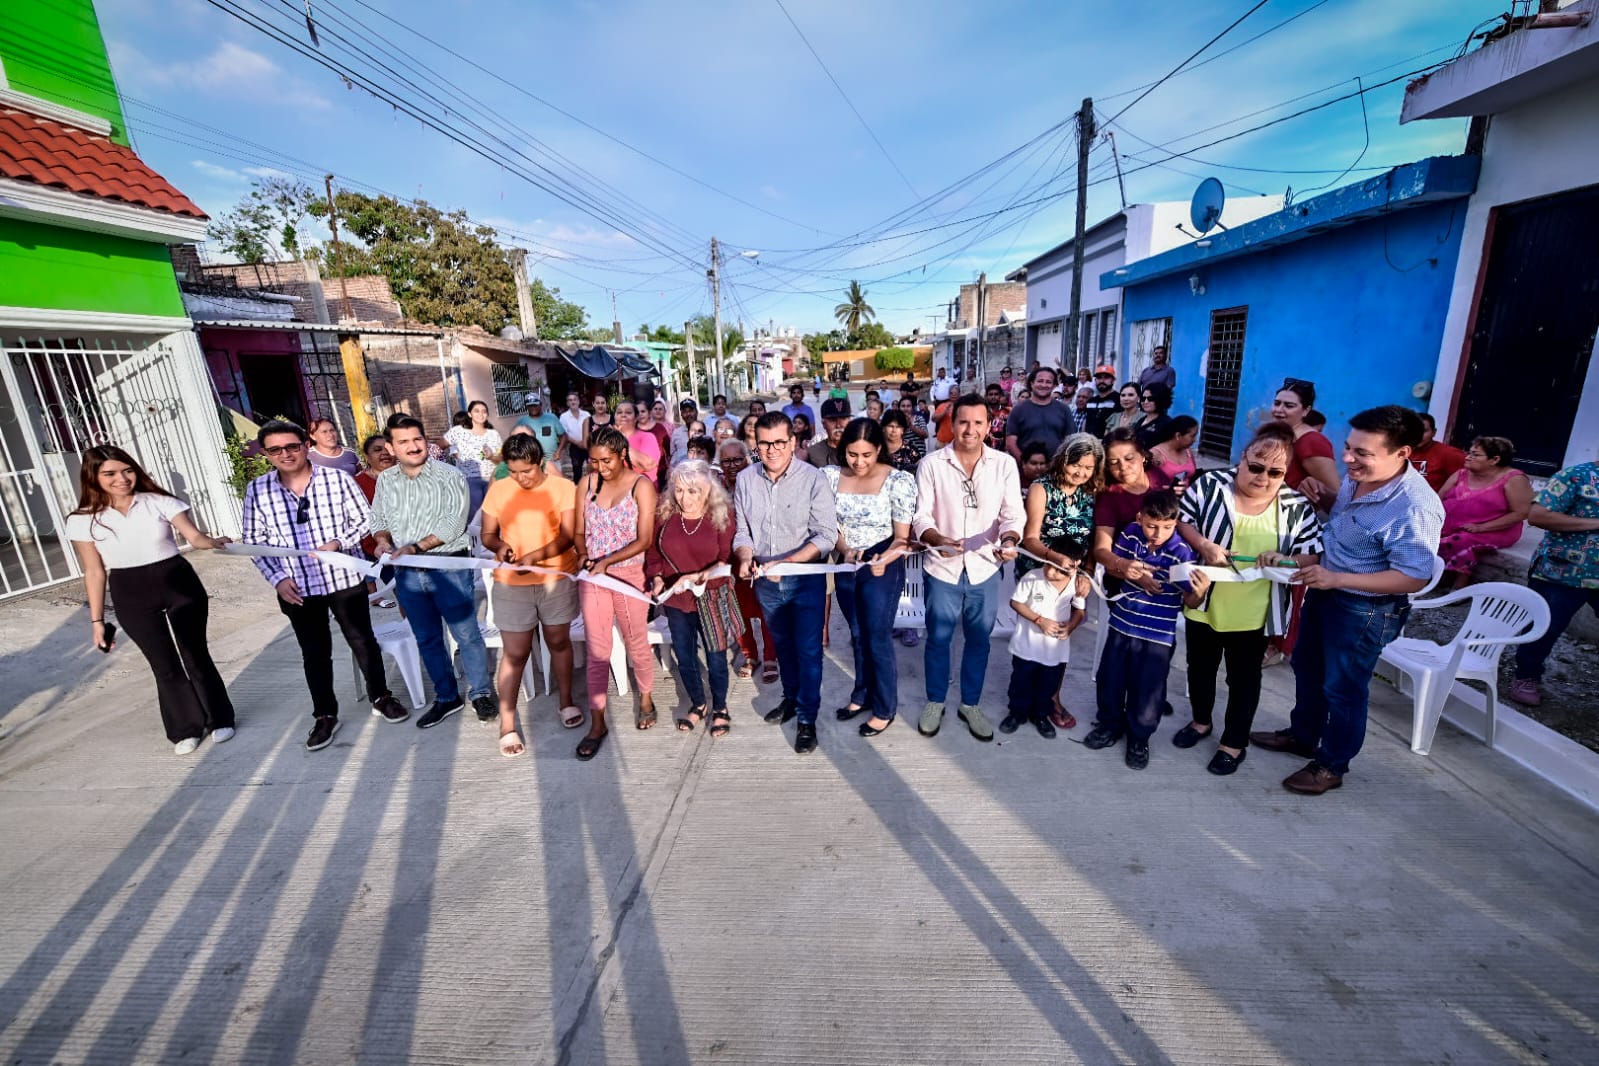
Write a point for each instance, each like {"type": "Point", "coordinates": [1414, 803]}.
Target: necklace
{"type": "Point", "coordinates": [684, 523]}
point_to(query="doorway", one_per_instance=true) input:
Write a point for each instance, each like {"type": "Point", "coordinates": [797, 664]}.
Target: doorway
{"type": "Point", "coordinates": [1533, 335]}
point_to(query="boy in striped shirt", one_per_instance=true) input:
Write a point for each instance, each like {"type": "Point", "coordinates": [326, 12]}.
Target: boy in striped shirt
{"type": "Point", "coordinates": [1131, 686]}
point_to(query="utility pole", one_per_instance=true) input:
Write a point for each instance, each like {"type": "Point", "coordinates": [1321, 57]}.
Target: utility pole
{"type": "Point", "coordinates": [1116, 158]}
{"type": "Point", "coordinates": [524, 295]}
{"type": "Point", "coordinates": [333, 226]}
{"type": "Point", "coordinates": [693, 378]}
{"type": "Point", "coordinates": [1085, 140]}
{"type": "Point", "coordinates": [982, 319]}
{"type": "Point", "coordinates": [616, 323]}
{"type": "Point", "coordinates": [720, 384]}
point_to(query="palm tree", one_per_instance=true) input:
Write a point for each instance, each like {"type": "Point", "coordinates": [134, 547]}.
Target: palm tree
{"type": "Point", "coordinates": [854, 310]}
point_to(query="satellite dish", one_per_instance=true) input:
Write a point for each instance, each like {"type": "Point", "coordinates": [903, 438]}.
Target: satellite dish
{"type": "Point", "coordinates": [1205, 209]}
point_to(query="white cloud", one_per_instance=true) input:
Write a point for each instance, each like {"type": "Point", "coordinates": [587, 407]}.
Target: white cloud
{"type": "Point", "coordinates": [230, 70]}
{"type": "Point", "coordinates": [212, 170]}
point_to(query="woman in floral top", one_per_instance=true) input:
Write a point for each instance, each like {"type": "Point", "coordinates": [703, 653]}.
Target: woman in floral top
{"type": "Point", "coordinates": [1565, 570]}
{"type": "Point", "coordinates": [1060, 505]}
{"type": "Point", "coordinates": [901, 454]}
{"type": "Point", "coordinates": [875, 504]}
{"type": "Point", "coordinates": [476, 448]}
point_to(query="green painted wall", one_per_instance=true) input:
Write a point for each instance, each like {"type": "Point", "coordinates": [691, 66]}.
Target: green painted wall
{"type": "Point", "coordinates": [62, 269]}
{"type": "Point", "coordinates": [53, 49]}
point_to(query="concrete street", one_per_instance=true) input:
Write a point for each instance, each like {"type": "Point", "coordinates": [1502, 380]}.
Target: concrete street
{"type": "Point", "coordinates": [409, 896]}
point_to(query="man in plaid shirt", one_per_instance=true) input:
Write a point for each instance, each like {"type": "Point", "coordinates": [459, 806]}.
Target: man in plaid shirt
{"type": "Point", "coordinates": [317, 508]}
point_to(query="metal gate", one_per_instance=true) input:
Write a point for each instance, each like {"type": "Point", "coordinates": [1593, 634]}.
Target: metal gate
{"type": "Point", "coordinates": [1534, 332]}
{"type": "Point", "coordinates": [1223, 372]}
{"type": "Point", "coordinates": [60, 396]}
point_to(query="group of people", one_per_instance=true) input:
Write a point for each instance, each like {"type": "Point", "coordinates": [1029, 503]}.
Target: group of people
{"type": "Point", "coordinates": [719, 522]}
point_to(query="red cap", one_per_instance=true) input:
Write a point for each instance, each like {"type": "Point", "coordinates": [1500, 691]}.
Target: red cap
{"type": "Point", "coordinates": [1104, 368]}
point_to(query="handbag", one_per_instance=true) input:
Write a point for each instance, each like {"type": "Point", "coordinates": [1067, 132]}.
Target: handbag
{"type": "Point", "coordinates": [721, 622]}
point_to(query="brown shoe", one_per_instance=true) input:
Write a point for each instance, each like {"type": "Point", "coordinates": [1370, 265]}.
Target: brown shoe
{"type": "Point", "coordinates": [389, 709]}
{"type": "Point", "coordinates": [1283, 740]}
{"type": "Point", "coordinates": [1313, 780]}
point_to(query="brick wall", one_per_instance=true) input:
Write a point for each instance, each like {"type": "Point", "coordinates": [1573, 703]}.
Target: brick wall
{"type": "Point", "coordinates": [1004, 297]}
{"type": "Point", "coordinates": [404, 374]}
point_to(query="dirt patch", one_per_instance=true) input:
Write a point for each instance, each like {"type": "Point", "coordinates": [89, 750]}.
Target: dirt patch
{"type": "Point", "coordinates": [1570, 681]}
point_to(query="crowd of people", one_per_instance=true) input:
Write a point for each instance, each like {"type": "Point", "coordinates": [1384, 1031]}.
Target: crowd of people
{"type": "Point", "coordinates": [743, 534]}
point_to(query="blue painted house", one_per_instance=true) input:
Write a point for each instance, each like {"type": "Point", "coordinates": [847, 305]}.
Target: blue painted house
{"type": "Point", "coordinates": [1349, 289]}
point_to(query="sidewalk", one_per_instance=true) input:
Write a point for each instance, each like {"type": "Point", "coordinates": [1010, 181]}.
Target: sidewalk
{"type": "Point", "coordinates": [413, 897]}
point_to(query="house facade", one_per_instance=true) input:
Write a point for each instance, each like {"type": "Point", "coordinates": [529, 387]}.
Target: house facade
{"type": "Point", "coordinates": [98, 348]}
{"type": "Point", "coordinates": [1524, 308]}
{"type": "Point", "coordinates": [1348, 289]}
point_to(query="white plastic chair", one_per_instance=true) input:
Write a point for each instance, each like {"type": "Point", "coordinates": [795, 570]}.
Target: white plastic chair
{"type": "Point", "coordinates": [1501, 614]}
{"type": "Point", "coordinates": [1437, 576]}
{"type": "Point", "coordinates": [491, 633]}
{"type": "Point", "coordinates": [912, 611]}
{"type": "Point", "coordinates": [660, 642]}
{"type": "Point", "coordinates": [398, 643]}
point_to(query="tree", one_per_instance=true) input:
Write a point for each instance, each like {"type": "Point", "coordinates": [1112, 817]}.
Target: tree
{"type": "Point", "coordinates": [895, 359]}
{"type": "Point", "coordinates": [818, 343]}
{"type": "Point", "coordinates": [854, 310]}
{"type": "Point", "coordinates": [871, 335]}
{"type": "Point", "coordinates": [558, 319]}
{"type": "Point", "coordinates": [265, 225]}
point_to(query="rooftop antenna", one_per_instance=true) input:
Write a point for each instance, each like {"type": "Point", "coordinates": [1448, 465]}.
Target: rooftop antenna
{"type": "Point", "coordinates": [1204, 211]}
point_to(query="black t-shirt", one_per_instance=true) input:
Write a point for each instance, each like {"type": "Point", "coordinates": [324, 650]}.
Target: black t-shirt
{"type": "Point", "coordinates": [1100, 408]}
{"type": "Point", "coordinates": [1046, 424]}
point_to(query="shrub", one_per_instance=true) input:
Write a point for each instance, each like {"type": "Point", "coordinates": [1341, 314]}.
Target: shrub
{"type": "Point", "coordinates": [895, 359]}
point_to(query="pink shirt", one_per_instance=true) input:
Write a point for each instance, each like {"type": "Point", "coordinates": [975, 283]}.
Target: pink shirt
{"type": "Point", "coordinates": [941, 496]}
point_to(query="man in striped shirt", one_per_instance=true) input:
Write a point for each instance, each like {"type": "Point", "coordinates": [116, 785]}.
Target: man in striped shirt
{"type": "Point", "coordinates": [420, 508]}
{"type": "Point", "coordinates": [1378, 547]}
{"type": "Point", "coordinates": [316, 508]}
{"type": "Point", "coordinates": [1131, 686]}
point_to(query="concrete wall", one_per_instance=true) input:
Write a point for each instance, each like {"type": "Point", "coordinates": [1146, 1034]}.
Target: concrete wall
{"type": "Point", "coordinates": [1338, 309]}
{"type": "Point", "coordinates": [62, 269]}
{"type": "Point", "coordinates": [1542, 148]}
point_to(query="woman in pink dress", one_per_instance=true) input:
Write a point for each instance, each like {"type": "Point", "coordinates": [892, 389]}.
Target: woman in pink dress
{"type": "Point", "coordinates": [1485, 507]}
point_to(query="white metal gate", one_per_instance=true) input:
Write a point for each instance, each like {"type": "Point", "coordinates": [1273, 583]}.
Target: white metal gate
{"type": "Point", "coordinates": [60, 396]}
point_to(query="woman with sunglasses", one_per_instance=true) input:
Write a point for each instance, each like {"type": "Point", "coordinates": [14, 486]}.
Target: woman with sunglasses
{"type": "Point", "coordinates": [1154, 401]}
{"type": "Point", "coordinates": [1311, 468]}
{"type": "Point", "coordinates": [1250, 513]}
{"type": "Point", "coordinates": [122, 532]}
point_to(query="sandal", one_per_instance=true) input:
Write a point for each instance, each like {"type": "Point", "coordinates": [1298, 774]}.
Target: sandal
{"type": "Point", "coordinates": [588, 747]}
{"type": "Point", "coordinates": [644, 718]}
{"type": "Point", "coordinates": [571, 717]}
{"type": "Point", "coordinates": [769, 672]}
{"type": "Point", "coordinates": [721, 723]}
{"type": "Point", "coordinates": [687, 723]}
{"type": "Point", "coordinates": [745, 670]}
{"type": "Point", "coordinates": [510, 740]}
{"type": "Point", "coordinates": [1061, 718]}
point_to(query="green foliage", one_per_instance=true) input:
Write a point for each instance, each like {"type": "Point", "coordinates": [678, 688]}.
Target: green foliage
{"type": "Point", "coordinates": [895, 359]}
{"type": "Point", "coordinates": [661, 334]}
{"type": "Point", "coordinates": [871, 335]}
{"type": "Point", "coordinates": [817, 343]}
{"type": "Point", "coordinates": [242, 469]}
{"type": "Point", "coordinates": [558, 319]}
{"type": "Point", "coordinates": [854, 311]}
{"type": "Point", "coordinates": [265, 224]}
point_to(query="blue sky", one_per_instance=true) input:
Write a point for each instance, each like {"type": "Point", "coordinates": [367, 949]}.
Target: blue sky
{"type": "Point", "coordinates": [728, 94]}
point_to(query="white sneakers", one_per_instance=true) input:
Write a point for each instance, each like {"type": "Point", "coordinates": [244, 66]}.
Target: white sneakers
{"type": "Point", "coordinates": [190, 744]}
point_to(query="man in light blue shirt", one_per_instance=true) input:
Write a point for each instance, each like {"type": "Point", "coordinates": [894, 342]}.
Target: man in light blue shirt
{"type": "Point", "coordinates": [1378, 547]}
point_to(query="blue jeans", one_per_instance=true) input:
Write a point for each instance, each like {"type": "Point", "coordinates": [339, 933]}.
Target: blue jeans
{"type": "Point", "coordinates": [1131, 686]}
{"type": "Point", "coordinates": [433, 599]}
{"type": "Point", "coordinates": [1564, 603]}
{"type": "Point", "coordinates": [869, 605]}
{"type": "Point", "coordinates": [1340, 637]}
{"type": "Point", "coordinates": [476, 489]}
{"type": "Point", "coordinates": [793, 607]}
{"type": "Point", "coordinates": [973, 606]}
{"type": "Point", "coordinates": [686, 642]}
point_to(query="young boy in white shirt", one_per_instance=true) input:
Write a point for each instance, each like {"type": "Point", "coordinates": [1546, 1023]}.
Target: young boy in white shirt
{"type": "Point", "coordinates": [1049, 609]}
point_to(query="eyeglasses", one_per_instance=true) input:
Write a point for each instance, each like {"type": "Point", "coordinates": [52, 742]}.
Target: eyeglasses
{"type": "Point", "coordinates": [774, 445]}
{"type": "Point", "coordinates": [285, 449]}
{"type": "Point", "coordinates": [969, 487]}
{"type": "Point", "coordinates": [1258, 469]}
{"type": "Point", "coordinates": [1147, 396]}
{"type": "Point", "coordinates": [1289, 383]}
{"type": "Point", "coordinates": [303, 514]}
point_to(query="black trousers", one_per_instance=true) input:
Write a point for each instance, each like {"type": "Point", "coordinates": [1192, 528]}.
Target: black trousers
{"type": "Point", "coordinates": [1033, 687]}
{"type": "Point", "coordinates": [164, 608]}
{"type": "Point", "coordinates": [1243, 652]}
{"type": "Point", "coordinates": [310, 623]}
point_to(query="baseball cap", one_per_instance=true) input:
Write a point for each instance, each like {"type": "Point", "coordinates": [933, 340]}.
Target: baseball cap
{"type": "Point", "coordinates": [688, 405]}
{"type": "Point", "coordinates": [832, 408]}
{"type": "Point", "coordinates": [534, 399]}
{"type": "Point", "coordinates": [1104, 368]}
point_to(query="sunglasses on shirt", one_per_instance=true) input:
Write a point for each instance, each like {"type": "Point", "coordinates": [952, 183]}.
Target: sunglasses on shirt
{"type": "Point", "coordinates": [303, 514]}
{"type": "Point", "coordinates": [1289, 383]}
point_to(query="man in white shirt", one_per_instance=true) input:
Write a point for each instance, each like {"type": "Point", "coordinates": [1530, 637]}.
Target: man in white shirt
{"type": "Point", "coordinates": [575, 422]}
{"type": "Point", "coordinates": [942, 386]}
{"type": "Point", "coordinates": [969, 497]}
{"type": "Point", "coordinates": [719, 414]}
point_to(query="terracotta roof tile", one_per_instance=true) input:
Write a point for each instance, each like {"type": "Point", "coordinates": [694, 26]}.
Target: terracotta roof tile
{"type": "Point", "coordinates": [49, 153]}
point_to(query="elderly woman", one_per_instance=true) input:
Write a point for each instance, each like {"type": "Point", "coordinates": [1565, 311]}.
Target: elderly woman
{"type": "Point", "coordinates": [875, 506]}
{"type": "Point", "coordinates": [1247, 512]}
{"type": "Point", "coordinates": [326, 449]}
{"type": "Point", "coordinates": [693, 535]}
{"type": "Point", "coordinates": [1485, 506]}
{"type": "Point", "coordinates": [1128, 415]}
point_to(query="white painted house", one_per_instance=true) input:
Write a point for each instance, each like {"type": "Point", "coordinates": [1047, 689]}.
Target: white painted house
{"type": "Point", "coordinates": [1136, 232]}
{"type": "Point", "coordinates": [1517, 351]}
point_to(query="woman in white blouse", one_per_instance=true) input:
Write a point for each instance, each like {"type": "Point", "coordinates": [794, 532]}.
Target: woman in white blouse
{"type": "Point", "coordinates": [875, 505]}
{"type": "Point", "coordinates": [122, 532]}
{"type": "Point", "coordinates": [476, 448]}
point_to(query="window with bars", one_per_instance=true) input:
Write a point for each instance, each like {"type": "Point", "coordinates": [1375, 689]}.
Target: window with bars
{"type": "Point", "coordinates": [510, 387]}
{"type": "Point", "coordinates": [1223, 372]}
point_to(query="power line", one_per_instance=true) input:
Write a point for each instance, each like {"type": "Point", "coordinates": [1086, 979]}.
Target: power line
{"type": "Point", "coordinates": [1174, 71]}
{"type": "Point", "coordinates": [859, 117]}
